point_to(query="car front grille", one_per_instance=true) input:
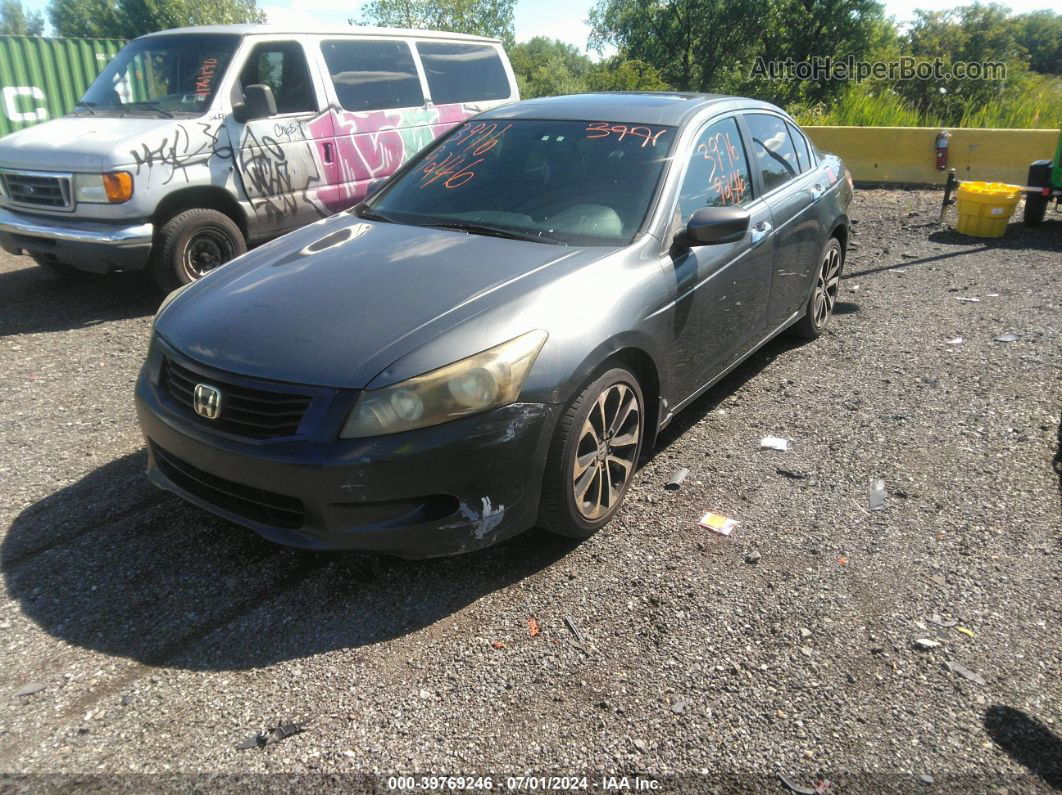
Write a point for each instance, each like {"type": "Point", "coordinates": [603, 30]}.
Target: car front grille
{"type": "Point", "coordinates": [37, 190]}
{"type": "Point", "coordinates": [257, 505]}
{"type": "Point", "coordinates": [257, 413]}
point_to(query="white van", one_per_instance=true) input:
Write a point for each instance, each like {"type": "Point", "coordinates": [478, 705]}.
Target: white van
{"type": "Point", "coordinates": [195, 143]}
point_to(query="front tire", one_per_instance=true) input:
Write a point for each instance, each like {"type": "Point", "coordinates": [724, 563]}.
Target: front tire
{"type": "Point", "coordinates": [193, 243]}
{"type": "Point", "coordinates": [1035, 209]}
{"type": "Point", "coordinates": [593, 456]}
{"type": "Point", "coordinates": [823, 298]}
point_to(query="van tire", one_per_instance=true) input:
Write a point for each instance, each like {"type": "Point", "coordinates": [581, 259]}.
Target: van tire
{"type": "Point", "coordinates": [59, 270]}
{"type": "Point", "coordinates": [193, 243]}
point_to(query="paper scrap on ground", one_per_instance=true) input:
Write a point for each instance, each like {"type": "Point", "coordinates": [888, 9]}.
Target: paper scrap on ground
{"type": "Point", "coordinates": [774, 443]}
{"type": "Point", "coordinates": [955, 341]}
{"type": "Point", "coordinates": [966, 300]}
{"type": "Point", "coordinates": [1010, 336]}
{"type": "Point", "coordinates": [718, 523]}
{"type": "Point", "coordinates": [877, 494]}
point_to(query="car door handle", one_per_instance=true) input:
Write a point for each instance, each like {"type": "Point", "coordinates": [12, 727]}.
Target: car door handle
{"type": "Point", "coordinates": [327, 153]}
{"type": "Point", "coordinates": [760, 232]}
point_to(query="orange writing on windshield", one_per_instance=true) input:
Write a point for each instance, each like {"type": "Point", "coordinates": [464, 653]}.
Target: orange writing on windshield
{"type": "Point", "coordinates": [604, 129]}
{"type": "Point", "coordinates": [452, 163]}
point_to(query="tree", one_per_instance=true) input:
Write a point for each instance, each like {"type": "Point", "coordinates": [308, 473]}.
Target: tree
{"type": "Point", "coordinates": [479, 17]}
{"type": "Point", "coordinates": [127, 19]}
{"type": "Point", "coordinates": [1040, 33]}
{"type": "Point", "coordinates": [618, 74]}
{"type": "Point", "coordinates": [14, 21]}
{"type": "Point", "coordinates": [546, 67]}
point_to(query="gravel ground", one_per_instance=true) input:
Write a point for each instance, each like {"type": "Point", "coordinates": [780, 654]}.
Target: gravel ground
{"type": "Point", "coordinates": [164, 637]}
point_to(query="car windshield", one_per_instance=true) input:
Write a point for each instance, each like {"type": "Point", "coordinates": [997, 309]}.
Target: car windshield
{"type": "Point", "coordinates": [167, 75]}
{"type": "Point", "coordinates": [568, 182]}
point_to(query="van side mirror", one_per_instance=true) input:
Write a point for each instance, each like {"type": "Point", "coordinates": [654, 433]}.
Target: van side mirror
{"type": "Point", "coordinates": [714, 225]}
{"type": "Point", "coordinates": [374, 186]}
{"type": "Point", "coordinates": [258, 103]}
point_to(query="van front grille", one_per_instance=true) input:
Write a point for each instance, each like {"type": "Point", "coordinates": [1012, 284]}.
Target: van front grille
{"type": "Point", "coordinates": [37, 190]}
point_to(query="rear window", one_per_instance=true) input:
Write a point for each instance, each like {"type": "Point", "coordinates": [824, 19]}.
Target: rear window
{"type": "Point", "coordinates": [373, 75]}
{"type": "Point", "coordinates": [463, 72]}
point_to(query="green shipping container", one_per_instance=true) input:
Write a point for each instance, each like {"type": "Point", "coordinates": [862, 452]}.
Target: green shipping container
{"type": "Point", "coordinates": [41, 78]}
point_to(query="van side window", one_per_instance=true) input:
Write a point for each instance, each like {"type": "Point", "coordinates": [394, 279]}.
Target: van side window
{"type": "Point", "coordinates": [803, 154]}
{"type": "Point", "coordinates": [772, 149]}
{"type": "Point", "coordinates": [463, 72]}
{"type": "Point", "coordinates": [373, 75]}
{"type": "Point", "coordinates": [718, 171]}
{"type": "Point", "coordinates": [282, 67]}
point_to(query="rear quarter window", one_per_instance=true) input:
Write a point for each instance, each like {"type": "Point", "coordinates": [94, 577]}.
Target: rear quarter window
{"type": "Point", "coordinates": [803, 151]}
{"type": "Point", "coordinates": [373, 75]}
{"type": "Point", "coordinates": [463, 72]}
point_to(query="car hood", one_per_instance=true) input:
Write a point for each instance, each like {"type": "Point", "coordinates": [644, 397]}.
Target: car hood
{"type": "Point", "coordinates": [335, 303]}
{"type": "Point", "coordinates": [88, 143]}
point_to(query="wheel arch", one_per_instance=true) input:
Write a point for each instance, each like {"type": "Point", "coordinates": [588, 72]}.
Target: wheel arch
{"type": "Point", "coordinates": [205, 197]}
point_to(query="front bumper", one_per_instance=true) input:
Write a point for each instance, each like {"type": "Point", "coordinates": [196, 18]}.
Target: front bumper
{"type": "Point", "coordinates": [436, 491]}
{"type": "Point", "coordinates": [91, 246]}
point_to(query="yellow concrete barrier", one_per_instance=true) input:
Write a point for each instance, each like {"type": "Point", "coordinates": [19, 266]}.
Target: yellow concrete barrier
{"type": "Point", "coordinates": [909, 155]}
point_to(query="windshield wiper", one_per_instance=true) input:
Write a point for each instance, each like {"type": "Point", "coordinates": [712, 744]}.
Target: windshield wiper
{"type": "Point", "coordinates": [152, 106]}
{"type": "Point", "coordinates": [89, 106]}
{"type": "Point", "coordinates": [371, 215]}
{"type": "Point", "coordinates": [495, 231]}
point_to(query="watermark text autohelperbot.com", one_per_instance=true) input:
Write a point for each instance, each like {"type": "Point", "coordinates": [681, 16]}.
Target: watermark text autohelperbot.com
{"type": "Point", "coordinates": [905, 68]}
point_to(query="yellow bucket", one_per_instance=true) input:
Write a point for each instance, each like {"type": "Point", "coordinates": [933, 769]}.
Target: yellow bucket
{"type": "Point", "coordinates": [985, 208]}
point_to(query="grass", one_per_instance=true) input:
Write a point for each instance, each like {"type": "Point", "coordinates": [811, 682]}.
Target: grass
{"type": "Point", "coordinates": [1034, 103]}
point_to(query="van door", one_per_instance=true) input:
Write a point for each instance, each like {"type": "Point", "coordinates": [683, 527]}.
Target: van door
{"type": "Point", "coordinates": [281, 159]}
{"type": "Point", "coordinates": [379, 115]}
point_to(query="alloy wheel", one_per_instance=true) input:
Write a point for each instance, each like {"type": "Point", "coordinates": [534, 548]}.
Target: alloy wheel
{"type": "Point", "coordinates": [607, 451]}
{"type": "Point", "coordinates": [826, 286]}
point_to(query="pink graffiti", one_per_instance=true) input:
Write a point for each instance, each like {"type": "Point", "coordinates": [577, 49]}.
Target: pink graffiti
{"type": "Point", "coordinates": [369, 146]}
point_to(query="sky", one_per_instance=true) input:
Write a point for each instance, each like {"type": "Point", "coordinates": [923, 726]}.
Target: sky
{"type": "Point", "coordinates": [561, 19]}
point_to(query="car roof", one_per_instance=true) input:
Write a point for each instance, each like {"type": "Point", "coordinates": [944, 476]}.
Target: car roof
{"type": "Point", "coordinates": [253, 29]}
{"type": "Point", "coordinates": [671, 108]}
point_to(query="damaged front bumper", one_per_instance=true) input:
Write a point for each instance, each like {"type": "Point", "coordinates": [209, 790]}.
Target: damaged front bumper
{"type": "Point", "coordinates": [436, 491]}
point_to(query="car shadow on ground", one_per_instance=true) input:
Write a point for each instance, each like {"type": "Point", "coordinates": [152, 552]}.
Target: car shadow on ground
{"type": "Point", "coordinates": [1027, 741]}
{"type": "Point", "coordinates": [32, 301]}
{"type": "Point", "coordinates": [111, 564]}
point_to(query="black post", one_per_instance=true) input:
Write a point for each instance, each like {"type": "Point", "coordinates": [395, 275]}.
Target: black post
{"type": "Point", "coordinates": [949, 186]}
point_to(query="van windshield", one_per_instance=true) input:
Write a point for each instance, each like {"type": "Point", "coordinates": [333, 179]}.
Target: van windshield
{"type": "Point", "coordinates": [167, 75]}
{"type": "Point", "coordinates": [569, 182]}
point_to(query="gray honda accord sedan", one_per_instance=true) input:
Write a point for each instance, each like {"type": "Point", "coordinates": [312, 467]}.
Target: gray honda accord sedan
{"type": "Point", "coordinates": [496, 335]}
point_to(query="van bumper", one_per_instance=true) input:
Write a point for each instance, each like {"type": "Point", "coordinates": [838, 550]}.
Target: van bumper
{"type": "Point", "coordinates": [91, 246]}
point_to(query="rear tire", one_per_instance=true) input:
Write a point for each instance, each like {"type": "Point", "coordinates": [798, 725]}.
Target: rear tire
{"type": "Point", "coordinates": [59, 270]}
{"type": "Point", "coordinates": [823, 297]}
{"type": "Point", "coordinates": [1035, 209]}
{"type": "Point", "coordinates": [193, 243]}
{"type": "Point", "coordinates": [593, 455]}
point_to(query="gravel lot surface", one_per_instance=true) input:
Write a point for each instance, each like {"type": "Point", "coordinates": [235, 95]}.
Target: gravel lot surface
{"type": "Point", "coordinates": [163, 637]}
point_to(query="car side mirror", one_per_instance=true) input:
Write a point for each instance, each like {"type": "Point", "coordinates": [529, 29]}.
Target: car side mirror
{"type": "Point", "coordinates": [258, 103]}
{"type": "Point", "coordinates": [714, 225]}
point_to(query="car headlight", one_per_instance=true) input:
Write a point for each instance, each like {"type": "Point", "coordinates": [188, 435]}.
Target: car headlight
{"type": "Point", "coordinates": [480, 382]}
{"type": "Point", "coordinates": [113, 188]}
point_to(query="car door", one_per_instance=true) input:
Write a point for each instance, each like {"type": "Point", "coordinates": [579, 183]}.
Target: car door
{"type": "Point", "coordinates": [280, 159]}
{"type": "Point", "coordinates": [721, 290]}
{"type": "Point", "coordinates": [790, 187]}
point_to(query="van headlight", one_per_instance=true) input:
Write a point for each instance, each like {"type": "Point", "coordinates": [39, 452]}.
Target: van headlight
{"type": "Point", "coordinates": [112, 188]}
{"type": "Point", "coordinates": [483, 381]}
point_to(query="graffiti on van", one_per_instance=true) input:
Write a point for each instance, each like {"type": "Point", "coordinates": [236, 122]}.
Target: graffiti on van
{"type": "Point", "coordinates": [283, 165]}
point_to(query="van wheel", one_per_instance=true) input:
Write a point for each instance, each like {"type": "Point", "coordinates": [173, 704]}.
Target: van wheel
{"type": "Point", "coordinates": [593, 456]}
{"type": "Point", "coordinates": [1035, 209]}
{"type": "Point", "coordinates": [823, 298]}
{"type": "Point", "coordinates": [193, 243]}
{"type": "Point", "coordinates": [59, 270]}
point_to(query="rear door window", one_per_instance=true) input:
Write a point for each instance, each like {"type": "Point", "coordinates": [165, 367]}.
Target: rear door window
{"type": "Point", "coordinates": [773, 152]}
{"type": "Point", "coordinates": [718, 171]}
{"type": "Point", "coordinates": [463, 72]}
{"type": "Point", "coordinates": [282, 66]}
{"type": "Point", "coordinates": [373, 75]}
